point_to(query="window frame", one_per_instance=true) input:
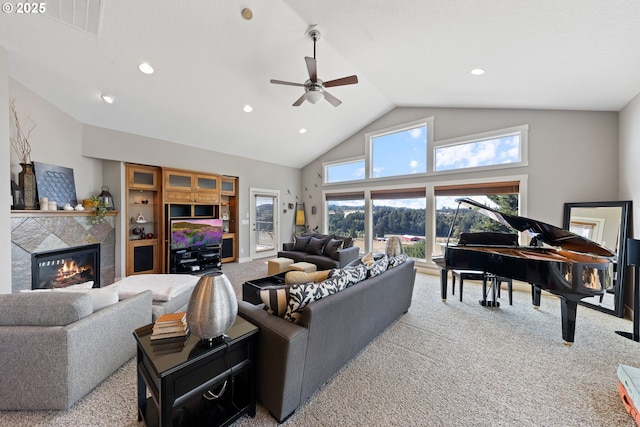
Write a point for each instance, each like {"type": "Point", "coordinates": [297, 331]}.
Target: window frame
{"type": "Point", "coordinates": [522, 130]}
{"type": "Point", "coordinates": [327, 165]}
{"type": "Point", "coordinates": [369, 137]}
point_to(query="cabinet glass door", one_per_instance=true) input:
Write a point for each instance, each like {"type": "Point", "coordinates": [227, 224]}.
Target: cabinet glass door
{"type": "Point", "coordinates": [179, 181]}
{"type": "Point", "coordinates": [206, 183]}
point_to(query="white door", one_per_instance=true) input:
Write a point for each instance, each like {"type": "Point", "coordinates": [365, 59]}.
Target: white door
{"type": "Point", "coordinates": [264, 222]}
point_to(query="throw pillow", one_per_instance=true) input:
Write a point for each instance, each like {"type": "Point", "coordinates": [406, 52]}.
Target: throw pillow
{"type": "Point", "coordinates": [300, 243]}
{"type": "Point", "coordinates": [368, 259]}
{"type": "Point", "coordinates": [331, 247]}
{"type": "Point", "coordinates": [397, 260]}
{"type": "Point", "coordinates": [315, 246]}
{"type": "Point", "coordinates": [378, 266]}
{"type": "Point", "coordinates": [347, 242]}
{"type": "Point", "coordinates": [353, 275]}
{"type": "Point", "coordinates": [275, 299]}
{"type": "Point", "coordinates": [305, 293]}
{"type": "Point", "coordinates": [297, 277]}
{"type": "Point", "coordinates": [84, 285]}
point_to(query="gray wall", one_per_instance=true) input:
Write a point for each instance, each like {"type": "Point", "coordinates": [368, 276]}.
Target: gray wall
{"type": "Point", "coordinates": [629, 159]}
{"type": "Point", "coordinates": [573, 155]}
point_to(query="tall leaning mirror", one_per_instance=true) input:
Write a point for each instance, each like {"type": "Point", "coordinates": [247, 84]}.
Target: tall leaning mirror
{"type": "Point", "coordinates": [608, 224]}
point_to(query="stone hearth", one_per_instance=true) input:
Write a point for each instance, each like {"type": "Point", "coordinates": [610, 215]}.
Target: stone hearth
{"type": "Point", "coordinates": [32, 231]}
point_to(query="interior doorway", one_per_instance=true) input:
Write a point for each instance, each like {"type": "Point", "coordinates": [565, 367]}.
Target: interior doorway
{"type": "Point", "coordinates": [264, 222]}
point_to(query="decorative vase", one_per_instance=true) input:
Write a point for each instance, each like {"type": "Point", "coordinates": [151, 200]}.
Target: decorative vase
{"type": "Point", "coordinates": [394, 246]}
{"type": "Point", "coordinates": [27, 182]}
{"type": "Point", "coordinates": [212, 308]}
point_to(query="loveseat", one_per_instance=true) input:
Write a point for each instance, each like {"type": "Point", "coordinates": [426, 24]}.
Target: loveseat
{"type": "Point", "coordinates": [325, 251]}
{"type": "Point", "coordinates": [295, 358]}
{"type": "Point", "coordinates": [55, 347]}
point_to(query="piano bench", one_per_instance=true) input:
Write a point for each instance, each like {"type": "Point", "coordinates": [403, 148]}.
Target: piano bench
{"type": "Point", "coordinates": [480, 275]}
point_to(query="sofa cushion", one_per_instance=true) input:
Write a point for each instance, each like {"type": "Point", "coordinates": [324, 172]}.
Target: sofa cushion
{"type": "Point", "coordinates": [331, 247]}
{"type": "Point", "coordinates": [294, 255]}
{"type": "Point", "coordinates": [300, 243]}
{"type": "Point", "coordinates": [316, 246]}
{"type": "Point", "coordinates": [321, 261]}
{"type": "Point", "coordinates": [44, 308]}
{"type": "Point", "coordinates": [275, 299]}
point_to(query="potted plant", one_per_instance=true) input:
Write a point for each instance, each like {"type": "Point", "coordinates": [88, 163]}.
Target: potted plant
{"type": "Point", "coordinates": [99, 210]}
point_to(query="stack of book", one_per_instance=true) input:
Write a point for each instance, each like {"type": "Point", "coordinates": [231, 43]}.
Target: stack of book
{"type": "Point", "coordinates": [169, 333]}
{"type": "Point", "coordinates": [629, 388]}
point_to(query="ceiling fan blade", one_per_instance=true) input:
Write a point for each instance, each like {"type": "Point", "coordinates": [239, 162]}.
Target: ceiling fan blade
{"type": "Point", "coordinates": [280, 82]}
{"type": "Point", "coordinates": [341, 82]}
{"type": "Point", "coordinates": [312, 68]}
{"type": "Point", "coordinates": [299, 101]}
{"type": "Point", "coordinates": [332, 99]}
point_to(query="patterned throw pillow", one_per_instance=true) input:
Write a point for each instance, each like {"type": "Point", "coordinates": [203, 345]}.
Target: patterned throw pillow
{"type": "Point", "coordinates": [275, 299]}
{"type": "Point", "coordinates": [397, 260]}
{"type": "Point", "coordinates": [300, 243]}
{"type": "Point", "coordinates": [378, 266]}
{"type": "Point", "coordinates": [305, 293]}
{"type": "Point", "coordinates": [352, 274]}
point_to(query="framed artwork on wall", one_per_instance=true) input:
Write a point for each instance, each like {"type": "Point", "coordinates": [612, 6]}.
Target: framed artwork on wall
{"type": "Point", "coordinates": [56, 183]}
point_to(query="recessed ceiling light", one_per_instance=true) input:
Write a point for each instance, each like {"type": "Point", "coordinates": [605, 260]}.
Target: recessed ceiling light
{"type": "Point", "coordinates": [146, 68]}
{"type": "Point", "coordinates": [248, 108]}
{"type": "Point", "coordinates": [109, 99]}
{"type": "Point", "coordinates": [303, 130]}
{"type": "Point", "coordinates": [477, 71]}
{"type": "Point", "coordinates": [247, 13]}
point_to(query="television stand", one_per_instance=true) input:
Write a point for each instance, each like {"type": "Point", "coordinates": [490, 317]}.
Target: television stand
{"type": "Point", "coordinates": [195, 259]}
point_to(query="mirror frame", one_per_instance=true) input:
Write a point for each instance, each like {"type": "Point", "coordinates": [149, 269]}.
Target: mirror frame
{"type": "Point", "coordinates": [625, 230]}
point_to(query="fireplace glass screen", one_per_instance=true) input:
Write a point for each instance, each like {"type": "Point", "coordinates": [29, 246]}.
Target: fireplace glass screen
{"type": "Point", "coordinates": [64, 267]}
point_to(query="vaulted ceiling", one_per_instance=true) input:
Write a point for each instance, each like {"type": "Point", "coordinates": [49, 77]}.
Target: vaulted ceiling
{"type": "Point", "coordinates": [210, 62]}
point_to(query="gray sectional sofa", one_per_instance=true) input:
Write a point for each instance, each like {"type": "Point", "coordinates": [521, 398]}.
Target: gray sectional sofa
{"type": "Point", "coordinates": [324, 250]}
{"type": "Point", "coordinates": [55, 348]}
{"type": "Point", "coordinates": [295, 359]}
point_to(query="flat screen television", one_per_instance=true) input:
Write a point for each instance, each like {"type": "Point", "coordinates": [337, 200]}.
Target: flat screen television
{"type": "Point", "coordinates": [187, 233]}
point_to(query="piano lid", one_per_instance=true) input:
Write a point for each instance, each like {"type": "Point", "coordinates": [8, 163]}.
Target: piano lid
{"type": "Point", "coordinates": [541, 231]}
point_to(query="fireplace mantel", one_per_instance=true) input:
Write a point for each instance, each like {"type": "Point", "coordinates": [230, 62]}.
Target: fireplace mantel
{"type": "Point", "coordinates": [37, 231]}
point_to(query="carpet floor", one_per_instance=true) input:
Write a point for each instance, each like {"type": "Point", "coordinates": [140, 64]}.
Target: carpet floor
{"type": "Point", "coordinates": [442, 364]}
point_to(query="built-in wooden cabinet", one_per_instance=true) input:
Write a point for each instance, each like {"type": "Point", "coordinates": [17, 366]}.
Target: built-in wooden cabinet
{"type": "Point", "coordinates": [143, 219]}
{"type": "Point", "coordinates": [189, 187]}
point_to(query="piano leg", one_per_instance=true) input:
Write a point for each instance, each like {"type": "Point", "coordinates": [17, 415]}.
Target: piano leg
{"type": "Point", "coordinates": [535, 296]}
{"type": "Point", "coordinates": [443, 283]}
{"type": "Point", "coordinates": [568, 313]}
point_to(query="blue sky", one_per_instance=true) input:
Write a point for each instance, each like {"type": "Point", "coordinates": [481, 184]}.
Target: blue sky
{"type": "Point", "coordinates": [482, 153]}
{"type": "Point", "coordinates": [400, 153]}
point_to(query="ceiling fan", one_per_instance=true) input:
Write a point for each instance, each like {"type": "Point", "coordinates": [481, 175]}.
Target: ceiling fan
{"type": "Point", "coordinates": [314, 88]}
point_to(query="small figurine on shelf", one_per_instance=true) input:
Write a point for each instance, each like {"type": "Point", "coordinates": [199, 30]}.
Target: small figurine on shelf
{"type": "Point", "coordinates": [140, 219]}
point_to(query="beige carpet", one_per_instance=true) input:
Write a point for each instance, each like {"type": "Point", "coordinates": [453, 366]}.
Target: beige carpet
{"type": "Point", "coordinates": [441, 364]}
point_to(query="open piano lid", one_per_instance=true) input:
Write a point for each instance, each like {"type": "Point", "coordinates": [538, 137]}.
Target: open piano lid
{"type": "Point", "coordinates": [549, 234]}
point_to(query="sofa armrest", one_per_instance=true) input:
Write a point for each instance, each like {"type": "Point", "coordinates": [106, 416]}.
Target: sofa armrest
{"type": "Point", "coordinates": [346, 255]}
{"type": "Point", "coordinates": [287, 246]}
{"type": "Point", "coordinates": [282, 347]}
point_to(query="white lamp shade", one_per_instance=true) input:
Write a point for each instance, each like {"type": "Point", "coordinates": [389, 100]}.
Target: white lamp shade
{"type": "Point", "coordinates": [313, 96]}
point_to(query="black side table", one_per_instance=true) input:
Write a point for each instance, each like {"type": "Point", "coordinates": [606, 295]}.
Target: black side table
{"type": "Point", "coordinates": [192, 384]}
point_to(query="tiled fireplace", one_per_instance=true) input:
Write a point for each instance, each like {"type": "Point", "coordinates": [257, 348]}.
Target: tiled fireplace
{"type": "Point", "coordinates": [65, 267]}
{"type": "Point", "coordinates": [36, 232]}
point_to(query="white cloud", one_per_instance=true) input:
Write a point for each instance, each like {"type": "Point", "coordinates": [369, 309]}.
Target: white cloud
{"type": "Point", "coordinates": [415, 133]}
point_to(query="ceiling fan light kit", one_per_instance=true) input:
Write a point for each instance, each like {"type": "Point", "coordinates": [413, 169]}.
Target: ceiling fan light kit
{"type": "Point", "coordinates": [314, 88]}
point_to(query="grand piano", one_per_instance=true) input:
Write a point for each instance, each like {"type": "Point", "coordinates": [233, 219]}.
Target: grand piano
{"type": "Point", "coordinates": [559, 261]}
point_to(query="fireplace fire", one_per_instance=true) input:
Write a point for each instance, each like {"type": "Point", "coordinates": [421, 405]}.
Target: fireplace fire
{"type": "Point", "coordinates": [65, 267]}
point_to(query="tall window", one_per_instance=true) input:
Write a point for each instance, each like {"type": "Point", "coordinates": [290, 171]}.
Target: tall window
{"type": "Point", "coordinates": [400, 213]}
{"type": "Point", "coordinates": [503, 196]}
{"type": "Point", "coordinates": [400, 152]}
{"type": "Point", "coordinates": [345, 215]}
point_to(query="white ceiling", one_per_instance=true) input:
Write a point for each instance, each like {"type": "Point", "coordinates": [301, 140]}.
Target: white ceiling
{"type": "Point", "coordinates": [210, 62]}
